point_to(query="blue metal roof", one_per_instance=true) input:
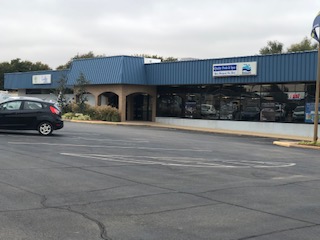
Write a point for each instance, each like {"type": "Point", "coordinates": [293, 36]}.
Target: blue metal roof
{"type": "Point", "coordinates": [291, 67]}
{"type": "Point", "coordinates": [277, 68]}
{"type": "Point", "coordinates": [23, 80]}
{"type": "Point", "coordinates": [109, 70]}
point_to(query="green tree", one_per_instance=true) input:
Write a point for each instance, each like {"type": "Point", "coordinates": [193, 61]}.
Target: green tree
{"type": "Point", "coordinates": [80, 90]}
{"type": "Point", "coordinates": [170, 59]}
{"type": "Point", "coordinates": [5, 67]}
{"type": "Point", "coordinates": [61, 91]}
{"type": "Point", "coordinates": [273, 47]}
{"type": "Point", "coordinates": [78, 56]}
{"type": "Point", "coordinates": [304, 45]}
{"type": "Point", "coordinates": [16, 65]}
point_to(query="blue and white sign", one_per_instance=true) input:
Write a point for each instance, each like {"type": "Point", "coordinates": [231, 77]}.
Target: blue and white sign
{"type": "Point", "coordinates": [315, 25]}
{"type": "Point", "coordinates": [310, 113]}
{"type": "Point", "coordinates": [234, 69]}
{"type": "Point", "coordinates": [41, 79]}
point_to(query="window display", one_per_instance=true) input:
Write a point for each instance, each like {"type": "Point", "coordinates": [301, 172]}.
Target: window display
{"type": "Point", "coordinates": [266, 102]}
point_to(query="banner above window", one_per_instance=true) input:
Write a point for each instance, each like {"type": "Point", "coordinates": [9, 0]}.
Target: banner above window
{"type": "Point", "coordinates": [235, 69]}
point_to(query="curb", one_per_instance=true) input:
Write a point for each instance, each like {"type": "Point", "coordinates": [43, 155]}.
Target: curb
{"type": "Point", "coordinates": [294, 144]}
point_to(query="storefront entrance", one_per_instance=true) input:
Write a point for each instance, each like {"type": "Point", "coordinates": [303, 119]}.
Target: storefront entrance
{"type": "Point", "coordinates": [139, 107]}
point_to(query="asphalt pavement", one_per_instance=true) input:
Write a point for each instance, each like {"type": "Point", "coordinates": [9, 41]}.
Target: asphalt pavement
{"type": "Point", "coordinates": [279, 139]}
{"type": "Point", "coordinates": [96, 181]}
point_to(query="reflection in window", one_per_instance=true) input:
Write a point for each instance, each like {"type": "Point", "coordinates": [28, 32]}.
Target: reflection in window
{"type": "Point", "coordinates": [170, 106]}
{"type": "Point", "coordinates": [268, 102]}
{"type": "Point", "coordinates": [250, 103]}
{"type": "Point", "coordinates": [32, 105]}
{"type": "Point", "coordinates": [15, 105]}
{"type": "Point", "coordinates": [230, 103]}
{"type": "Point", "coordinates": [192, 105]}
{"type": "Point", "coordinates": [210, 102]}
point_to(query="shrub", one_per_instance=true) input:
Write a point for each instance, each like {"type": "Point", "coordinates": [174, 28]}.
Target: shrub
{"type": "Point", "coordinates": [103, 113]}
{"type": "Point", "coordinates": [68, 115]}
{"type": "Point", "coordinates": [80, 116]}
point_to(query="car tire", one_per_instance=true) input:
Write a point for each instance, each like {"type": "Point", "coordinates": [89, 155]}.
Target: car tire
{"type": "Point", "coordinates": [45, 128]}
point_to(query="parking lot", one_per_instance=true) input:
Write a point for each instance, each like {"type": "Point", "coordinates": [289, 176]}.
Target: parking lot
{"type": "Point", "coordinates": [91, 181]}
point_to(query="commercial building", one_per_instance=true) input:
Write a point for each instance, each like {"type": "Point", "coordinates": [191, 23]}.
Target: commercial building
{"type": "Point", "coordinates": [254, 93]}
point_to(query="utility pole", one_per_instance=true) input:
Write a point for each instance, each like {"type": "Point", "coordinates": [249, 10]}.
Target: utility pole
{"type": "Point", "coordinates": [315, 28]}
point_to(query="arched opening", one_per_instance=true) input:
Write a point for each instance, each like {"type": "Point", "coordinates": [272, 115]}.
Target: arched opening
{"type": "Point", "coordinates": [108, 98]}
{"type": "Point", "coordinates": [139, 107]}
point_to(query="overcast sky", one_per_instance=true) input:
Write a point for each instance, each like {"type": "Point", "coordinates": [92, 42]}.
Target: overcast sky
{"type": "Point", "coordinates": [53, 31]}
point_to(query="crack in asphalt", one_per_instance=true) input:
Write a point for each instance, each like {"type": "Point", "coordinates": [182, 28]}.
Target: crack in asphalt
{"type": "Point", "coordinates": [208, 198]}
{"type": "Point", "coordinates": [261, 186]}
{"type": "Point", "coordinates": [103, 231]}
{"type": "Point", "coordinates": [112, 200]}
{"type": "Point", "coordinates": [279, 231]}
{"type": "Point", "coordinates": [256, 210]}
{"type": "Point", "coordinates": [172, 210]}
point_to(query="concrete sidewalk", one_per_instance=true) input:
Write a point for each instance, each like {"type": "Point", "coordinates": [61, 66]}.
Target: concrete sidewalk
{"type": "Point", "coordinates": [283, 140]}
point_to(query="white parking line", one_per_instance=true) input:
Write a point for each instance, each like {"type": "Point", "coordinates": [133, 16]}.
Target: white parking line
{"type": "Point", "coordinates": [289, 177]}
{"type": "Point", "coordinates": [183, 162]}
{"type": "Point", "coordinates": [108, 146]}
{"type": "Point", "coordinates": [112, 140]}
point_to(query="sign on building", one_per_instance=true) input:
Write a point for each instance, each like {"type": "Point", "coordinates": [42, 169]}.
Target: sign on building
{"type": "Point", "coordinates": [234, 69]}
{"type": "Point", "coordinates": [310, 114]}
{"type": "Point", "coordinates": [41, 79]}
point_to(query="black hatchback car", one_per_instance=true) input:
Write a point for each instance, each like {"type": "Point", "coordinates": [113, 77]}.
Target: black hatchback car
{"type": "Point", "coordinates": [27, 113]}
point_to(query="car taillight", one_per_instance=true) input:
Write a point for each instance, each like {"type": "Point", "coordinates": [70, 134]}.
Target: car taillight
{"type": "Point", "coordinates": [54, 110]}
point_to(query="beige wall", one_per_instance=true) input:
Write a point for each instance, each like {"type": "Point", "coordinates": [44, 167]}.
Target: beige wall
{"type": "Point", "coordinates": [123, 91]}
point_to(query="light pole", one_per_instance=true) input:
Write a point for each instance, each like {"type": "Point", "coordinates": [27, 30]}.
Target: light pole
{"type": "Point", "coordinates": [315, 27]}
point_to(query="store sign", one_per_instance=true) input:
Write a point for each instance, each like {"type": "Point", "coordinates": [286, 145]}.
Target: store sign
{"type": "Point", "coordinates": [41, 79]}
{"type": "Point", "coordinates": [296, 95]}
{"type": "Point", "coordinates": [235, 69]}
{"type": "Point", "coordinates": [310, 113]}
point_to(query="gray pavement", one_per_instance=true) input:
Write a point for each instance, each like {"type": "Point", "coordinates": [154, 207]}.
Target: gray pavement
{"type": "Point", "coordinates": [281, 140]}
{"type": "Point", "coordinates": [93, 181]}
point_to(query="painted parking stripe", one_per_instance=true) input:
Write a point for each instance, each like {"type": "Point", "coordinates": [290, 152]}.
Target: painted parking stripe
{"type": "Point", "coordinates": [112, 147]}
{"type": "Point", "coordinates": [183, 162]}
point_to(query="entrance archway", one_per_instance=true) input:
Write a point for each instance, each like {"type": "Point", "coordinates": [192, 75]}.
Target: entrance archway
{"type": "Point", "coordinates": [139, 107]}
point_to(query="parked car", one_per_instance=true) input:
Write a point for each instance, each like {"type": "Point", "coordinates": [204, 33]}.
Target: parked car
{"type": "Point", "coordinates": [208, 109]}
{"type": "Point", "coordinates": [250, 113]}
{"type": "Point", "coordinates": [26, 113]}
{"type": "Point", "coordinates": [298, 114]}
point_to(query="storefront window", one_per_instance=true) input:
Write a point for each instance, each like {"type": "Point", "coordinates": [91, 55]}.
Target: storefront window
{"type": "Point", "coordinates": [250, 103]}
{"type": "Point", "coordinates": [270, 102]}
{"type": "Point", "coordinates": [310, 103]}
{"type": "Point", "coordinates": [294, 108]}
{"type": "Point", "coordinates": [273, 103]}
{"type": "Point", "coordinates": [192, 105]}
{"type": "Point", "coordinates": [210, 102]}
{"type": "Point", "coordinates": [170, 105]}
{"type": "Point", "coordinates": [230, 102]}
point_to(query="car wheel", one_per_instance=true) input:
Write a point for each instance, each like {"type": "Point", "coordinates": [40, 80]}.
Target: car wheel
{"type": "Point", "coordinates": [45, 128]}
